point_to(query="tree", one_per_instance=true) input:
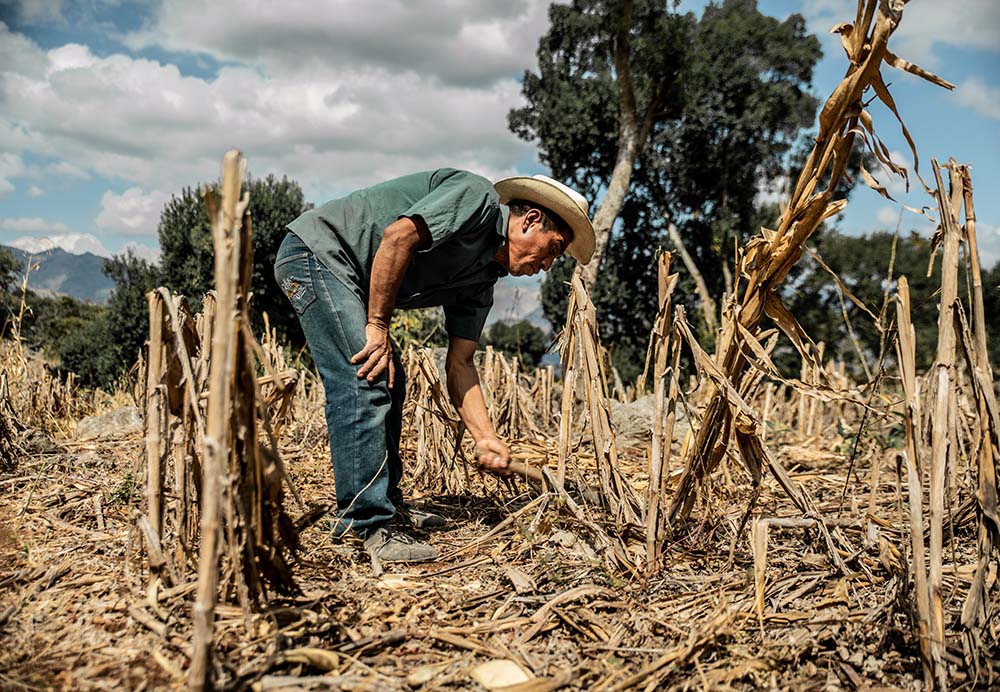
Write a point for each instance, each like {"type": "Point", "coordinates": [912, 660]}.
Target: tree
{"type": "Point", "coordinates": [608, 70]}
{"type": "Point", "coordinates": [10, 270]}
{"type": "Point", "coordinates": [55, 319]}
{"type": "Point", "coordinates": [731, 101]}
{"type": "Point", "coordinates": [128, 308]}
{"type": "Point", "coordinates": [991, 307]}
{"type": "Point", "coordinates": [104, 347]}
{"type": "Point", "coordinates": [862, 264]}
{"type": "Point", "coordinates": [420, 327]}
{"type": "Point", "coordinates": [745, 106]}
{"type": "Point", "coordinates": [188, 253]}
{"type": "Point", "coordinates": [521, 339]}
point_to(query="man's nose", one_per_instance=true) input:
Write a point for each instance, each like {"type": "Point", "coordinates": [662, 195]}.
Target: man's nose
{"type": "Point", "coordinates": [547, 263]}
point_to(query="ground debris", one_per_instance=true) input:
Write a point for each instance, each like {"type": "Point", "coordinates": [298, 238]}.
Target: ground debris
{"type": "Point", "coordinates": [530, 594]}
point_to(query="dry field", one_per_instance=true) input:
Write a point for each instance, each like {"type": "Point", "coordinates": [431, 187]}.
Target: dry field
{"type": "Point", "coordinates": [521, 578]}
{"type": "Point", "coordinates": [812, 533]}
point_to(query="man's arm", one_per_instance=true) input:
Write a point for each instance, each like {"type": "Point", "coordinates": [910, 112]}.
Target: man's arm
{"type": "Point", "coordinates": [467, 396]}
{"type": "Point", "coordinates": [400, 240]}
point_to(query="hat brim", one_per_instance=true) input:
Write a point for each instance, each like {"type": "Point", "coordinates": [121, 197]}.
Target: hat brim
{"type": "Point", "coordinates": [581, 248]}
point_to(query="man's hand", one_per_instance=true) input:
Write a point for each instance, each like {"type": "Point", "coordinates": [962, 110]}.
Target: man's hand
{"type": "Point", "coordinates": [492, 454]}
{"type": "Point", "coordinates": [376, 356]}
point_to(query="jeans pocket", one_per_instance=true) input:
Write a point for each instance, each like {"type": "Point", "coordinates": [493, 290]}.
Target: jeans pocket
{"type": "Point", "coordinates": [293, 276]}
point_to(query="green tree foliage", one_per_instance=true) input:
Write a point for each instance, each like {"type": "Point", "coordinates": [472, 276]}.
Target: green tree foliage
{"type": "Point", "coordinates": [521, 339]}
{"type": "Point", "coordinates": [421, 327]}
{"type": "Point", "coordinates": [10, 270]}
{"type": "Point", "coordinates": [52, 320]}
{"type": "Point", "coordinates": [862, 263]}
{"type": "Point", "coordinates": [186, 249]}
{"type": "Point", "coordinates": [87, 353]}
{"type": "Point", "coordinates": [128, 308]}
{"type": "Point", "coordinates": [188, 254]}
{"type": "Point", "coordinates": [732, 94]}
{"type": "Point", "coordinates": [103, 347]}
{"type": "Point", "coordinates": [991, 305]}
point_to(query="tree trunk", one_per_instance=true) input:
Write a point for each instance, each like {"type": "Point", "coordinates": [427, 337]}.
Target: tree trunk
{"type": "Point", "coordinates": [631, 139]}
{"type": "Point", "coordinates": [705, 298]}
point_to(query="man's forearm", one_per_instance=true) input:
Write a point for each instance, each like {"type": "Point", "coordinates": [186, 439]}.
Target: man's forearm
{"type": "Point", "coordinates": [467, 397]}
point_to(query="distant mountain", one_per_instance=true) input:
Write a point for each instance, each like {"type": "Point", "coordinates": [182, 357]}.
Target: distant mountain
{"type": "Point", "coordinates": [517, 298]}
{"type": "Point", "coordinates": [80, 276]}
{"type": "Point", "coordinates": [62, 273]}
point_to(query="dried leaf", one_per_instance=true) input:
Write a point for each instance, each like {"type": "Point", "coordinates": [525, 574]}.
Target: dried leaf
{"type": "Point", "coordinates": [901, 64]}
{"type": "Point", "coordinates": [521, 581]}
{"type": "Point", "coordinates": [422, 675]}
{"type": "Point", "coordinates": [318, 658]}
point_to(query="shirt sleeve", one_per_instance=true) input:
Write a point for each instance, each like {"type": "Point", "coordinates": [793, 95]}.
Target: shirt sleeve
{"type": "Point", "coordinates": [467, 318]}
{"type": "Point", "coordinates": [458, 201]}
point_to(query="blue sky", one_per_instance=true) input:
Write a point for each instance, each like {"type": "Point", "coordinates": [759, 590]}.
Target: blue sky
{"type": "Point", "coordinates": [107, 107]}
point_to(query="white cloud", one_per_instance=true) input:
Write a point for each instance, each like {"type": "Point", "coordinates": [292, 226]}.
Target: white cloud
{"type": "Point", "coordinates": [330, 129]}
{"type": "Point", "coordinates": [32, 225]}
{"type": "Point", "coordinates": [988, 242]}
{"type": "Point", "coordinates": [11, 166]}
{"type": "Point", "coordinates": [35, 191]}
{"type": "Point", "coordinates": [75, 243]}
{"type": "Point", "coordinates": [975, 93]}
{"type": "Point", "coordinates": [150, 254]}
{"type": "Point", "coordinates": [967, 24]}
{"type": "Point", "coordinates": [897, 184]}
{"type": "Point", "coordinates": [68, 170]}
{"type": "Point", "coordinates": [132, 212]}
{"type": "Point", "coordinates": [461, 41]}
{"type": "Point", "coordinates": [887, 217]}
{"type": "Point", "coordinates": [36, 12]}
{"type": "Point", "coordinates": [964, 24]}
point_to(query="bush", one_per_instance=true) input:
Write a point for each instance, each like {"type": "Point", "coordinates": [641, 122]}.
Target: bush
{"type": "Point", "coordinates": [521, 339]}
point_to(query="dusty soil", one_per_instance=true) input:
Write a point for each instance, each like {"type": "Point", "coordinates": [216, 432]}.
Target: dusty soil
{"type": "Point", "coordinates": [519, 579]}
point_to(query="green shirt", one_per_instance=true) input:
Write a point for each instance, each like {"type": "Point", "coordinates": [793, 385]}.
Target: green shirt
{"type": "Point", "coordinates": [457, 271]}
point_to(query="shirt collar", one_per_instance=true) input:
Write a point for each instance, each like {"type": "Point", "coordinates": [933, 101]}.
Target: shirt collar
{"type": "Point", "coordinates": [504, 220]}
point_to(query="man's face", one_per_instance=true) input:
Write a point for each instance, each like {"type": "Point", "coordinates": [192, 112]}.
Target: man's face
{"type": "Point", "coordinates": [531, 248]}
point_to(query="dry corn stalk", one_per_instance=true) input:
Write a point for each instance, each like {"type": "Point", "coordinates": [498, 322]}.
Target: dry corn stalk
{"type": "Point", "coordinates": [582, 352]}
{"type": "Point", "coordinates": [214, 490]}
{"type": "Point", "coordinates": [430, 417]}
{"type": "Point", "coordinates": [664, 407]}
{"type": "Point", "coordinates": [9, 428]}
{"type": "Point", "coordinates": [944, 437]}
{"type": "Point", "coordinates": [976, 611]}
{"type": "Point", "coordinates": [767, 260]}
{"type": "Point", "coordinates": [906, 354]}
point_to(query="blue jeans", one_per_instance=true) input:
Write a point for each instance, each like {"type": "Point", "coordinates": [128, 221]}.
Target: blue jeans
{"type": "Point", "coordinates": [363, 419]}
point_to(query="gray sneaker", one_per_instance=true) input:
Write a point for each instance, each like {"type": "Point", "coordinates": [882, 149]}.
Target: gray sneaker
{"type": "Point", "coordinates": [389, 544]}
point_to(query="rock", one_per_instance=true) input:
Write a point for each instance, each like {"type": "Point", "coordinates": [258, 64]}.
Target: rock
{"type": "Point", "coordinates": [633, 423]}
{"type": "Point", "coordinates": [563, 538]}
{"type": "Point", "coordinates": [125, 420]}
{"type": "Point", "coordinates": [440, 353]}
{"type": "Point", "coordinates": [499, 673]}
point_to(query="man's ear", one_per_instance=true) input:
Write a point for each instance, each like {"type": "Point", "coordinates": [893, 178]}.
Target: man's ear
{"type": "Point", "coordinates": [532, 216]}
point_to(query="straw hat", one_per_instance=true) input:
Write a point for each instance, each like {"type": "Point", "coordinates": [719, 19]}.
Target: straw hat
{"type": "Point", "coordinates": [565, 202]}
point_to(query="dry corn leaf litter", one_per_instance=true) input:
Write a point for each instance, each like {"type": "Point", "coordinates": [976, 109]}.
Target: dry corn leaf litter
{"type": "Point", "coordinates": [772, 533]}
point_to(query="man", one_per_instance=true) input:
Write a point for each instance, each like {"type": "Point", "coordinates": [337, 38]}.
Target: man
{"type": "Point", "coordinates": [437, 238]}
